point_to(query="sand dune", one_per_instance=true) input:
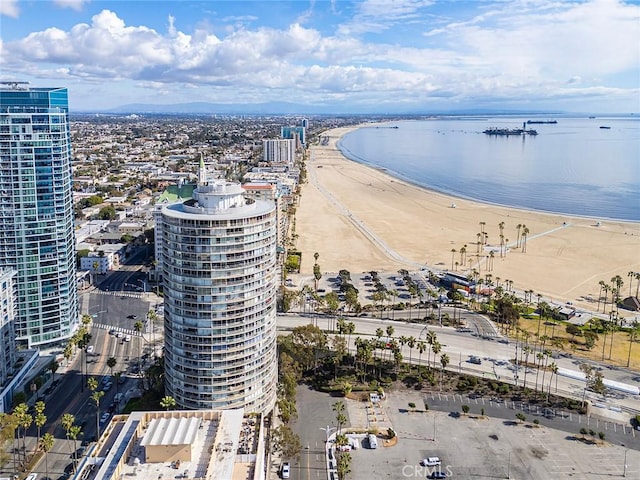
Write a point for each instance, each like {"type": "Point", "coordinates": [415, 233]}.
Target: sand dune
{"type": "Point", "coordinates": [359, 218]}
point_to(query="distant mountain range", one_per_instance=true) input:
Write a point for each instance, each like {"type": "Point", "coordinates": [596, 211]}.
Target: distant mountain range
{"type": "Point", "coordinates": [285, 108]}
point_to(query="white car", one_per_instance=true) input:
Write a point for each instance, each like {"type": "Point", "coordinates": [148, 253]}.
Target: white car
{"type": "Point", "coordinates": [286, 470]}
{"type": "Point", "coordinates": [90, 349]}
{"type": "Point", "coordinates": [430, 462]}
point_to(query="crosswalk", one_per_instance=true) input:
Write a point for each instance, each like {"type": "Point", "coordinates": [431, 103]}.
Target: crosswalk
{"type": "Point", "coordinates": [126, 331]}
{"type": "Point", "coordinates": [120, 294]}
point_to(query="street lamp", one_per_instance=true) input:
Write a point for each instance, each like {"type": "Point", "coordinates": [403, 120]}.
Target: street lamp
{"type": "Point", "coordinates": [327, 430]}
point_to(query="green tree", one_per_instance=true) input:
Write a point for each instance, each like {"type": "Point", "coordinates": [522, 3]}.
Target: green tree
{"type": "Point", "coordinates": [39, 419]}
{"type": "Point", "coordinates": [46, 444]}
{"type": "Point", "coordinates": [107, 213]}
{"type": "Point", "coordinates": [168, 403]}
{"type": "Point", "coordinates": [341, 418]}
{"type": "Point", "coordinates": [465, 409]}
{"type": "Point", "coordinates": [96, 395]}
{"type": "Point", "coordinates": [444, 361]}
{"type": "Point", "coordinates": [286, 442]}
{"type": "Point", "coordinates": [111, 362]}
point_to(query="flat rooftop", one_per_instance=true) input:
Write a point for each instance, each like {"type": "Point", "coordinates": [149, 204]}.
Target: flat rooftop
{"type": "Point", "coordinates": [198, 444]}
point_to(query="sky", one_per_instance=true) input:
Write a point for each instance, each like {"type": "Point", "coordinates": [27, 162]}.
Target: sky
{"type": "Point", "coordinates": [373, 56]}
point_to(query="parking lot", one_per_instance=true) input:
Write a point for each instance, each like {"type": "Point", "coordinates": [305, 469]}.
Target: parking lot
{"type": "Point", "coordinates": [474, 447]}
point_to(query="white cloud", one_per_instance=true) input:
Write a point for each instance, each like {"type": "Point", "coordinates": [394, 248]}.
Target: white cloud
{"type": "Point", "coordinates": [520, 50]}
{"type": "Point", "coordinates": [72, 4]}
{"type": "Point", "coordinates": [9, 8]}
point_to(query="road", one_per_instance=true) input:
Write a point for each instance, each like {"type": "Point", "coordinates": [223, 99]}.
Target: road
{"type": "Point", "coordinates": [315, 413]}
{"type": "Point", "coordinates": [117, 304]}
{"type": "Point", "coordinates": [459, 346]}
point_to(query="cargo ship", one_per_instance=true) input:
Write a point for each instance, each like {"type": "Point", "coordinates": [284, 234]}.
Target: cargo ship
{"type": "Point", "coordinates": [530, 122]}
{"type": "Point", "coordinates": [510, 131]}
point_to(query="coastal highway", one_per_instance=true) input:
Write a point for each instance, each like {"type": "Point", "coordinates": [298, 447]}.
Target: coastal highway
{"type": "Point", "coordinates": [495, 358]}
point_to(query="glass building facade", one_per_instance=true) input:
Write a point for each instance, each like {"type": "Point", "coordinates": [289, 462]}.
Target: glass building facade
{"type": "Point", "coordinates": [36, 211]}
{"type": "Point", "coordinates": [219, 282]}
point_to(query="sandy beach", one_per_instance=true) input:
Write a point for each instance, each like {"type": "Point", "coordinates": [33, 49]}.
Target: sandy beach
{"type": "Point", "coordinates": [360, 219]}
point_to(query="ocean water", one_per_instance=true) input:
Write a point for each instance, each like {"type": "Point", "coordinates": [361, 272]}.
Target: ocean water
{"type": "Point", "coordinates": [573, 167]}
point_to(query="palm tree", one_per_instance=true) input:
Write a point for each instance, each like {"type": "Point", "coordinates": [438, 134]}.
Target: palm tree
{"type": "Point", "coordinates": [436, 347]}
{"type": "Point", "coordinates": [422, 346]}
{"type": "Point", "coordinates": [46, 444]}
{"type": "Point", "coordinates": [137, 327]}
{"type": "Point", "coordinates": [67, 422]}
{"type": "Point", "coordinates": [525, 233]}
{"type": "Point", "coordinates": [602, 285]}
{"type": "Point", "coordinates": [96, 395]}
{"type": "Point", "coordinates": [553, 368]}
{"type": "Point", "coordinates": [411, 342]}
{"type": "Point", "coordinates": [631, 276]}
{"type": "Point", "coordinates": [632, 337]}
{"type": "Point", "coordinates": [444, 361]}
{"type": "Point", "coordinates": [453, 252]}
{"type": "Point", "coordinates": [111, 362]}
{"type": "Point", "coordinates": [394, 295]}
{"type": "Point", "coordinates": [539, 357]}
{"type": "Point", "coordinates": [527, 351]}
{"type": "Point", "coordinates": [463, 254]}
{"type": "Point", "coordinates": [40, 418]}
{"type": "Point", "coordinates": [518, 227]}
{"type": "Point", "coordinates": [168, 402]}
{"type": "Point", "coordinates": [339, 408]}
{"type": "Point", "coordinates": [547, 354]}
{"type": "Point", "coordinates": [390, 331]}
{"type": "Point", "coordinates": [350, 328]}
{"type": "Point", "coordinates": [379, 333]}
{"type": "Point", "coordinates": [21, 412]}
{"type": "Point", "coordinates": [431, 337]}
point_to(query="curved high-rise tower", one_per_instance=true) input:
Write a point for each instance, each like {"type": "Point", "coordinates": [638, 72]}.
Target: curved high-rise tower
{"type": "Point", "coordinates": [219, 282]}
{"type": "Point", "coordinates": [36, 211]}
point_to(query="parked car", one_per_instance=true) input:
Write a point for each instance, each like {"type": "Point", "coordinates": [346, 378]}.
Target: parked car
{"type": "Point", "coordinates": [430, 462]}
{"type": "Point", "coordinates": [286, 470]}
{"type": "Point", "coordinates": [104, 418]}
{"type": "Point", "coordinates": [90, 349]}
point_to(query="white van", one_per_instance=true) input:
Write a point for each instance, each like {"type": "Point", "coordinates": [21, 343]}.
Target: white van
{"type": "Point", "coordinates": [373, 441]}
{"type": "Point", "coordinates": [32, 476]}
{"type": "Point", "coordinates": [430, 462]}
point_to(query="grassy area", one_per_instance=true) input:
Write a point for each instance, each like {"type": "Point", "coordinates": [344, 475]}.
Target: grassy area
{"type": "Point", "coordinates": [617, 354]}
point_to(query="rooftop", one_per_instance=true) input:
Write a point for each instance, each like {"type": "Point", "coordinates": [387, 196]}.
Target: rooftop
{"type": "Point", "coordinates": [198, 444]}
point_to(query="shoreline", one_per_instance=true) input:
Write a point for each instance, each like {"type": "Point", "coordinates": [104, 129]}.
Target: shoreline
{"type": "Point", "coordinates": [361, 217]}
{"type": "Point", "coordinates": [454, 195]}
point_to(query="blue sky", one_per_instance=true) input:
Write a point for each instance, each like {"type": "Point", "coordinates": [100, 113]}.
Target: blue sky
{"type": "Point", "coordinates": [382, 55]}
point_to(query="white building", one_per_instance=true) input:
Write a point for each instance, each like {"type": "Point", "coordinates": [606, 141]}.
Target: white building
{"type": "Point", "coordinates": [279, 150]}
{"type": "Point", "coordinates": [99, 262]}
{"type": "Point", "coordinates": [203, 444]}
{"type": "Point", "coordinates": [219, 273]}
{"type": "Point", "coordinates": [7, 333]}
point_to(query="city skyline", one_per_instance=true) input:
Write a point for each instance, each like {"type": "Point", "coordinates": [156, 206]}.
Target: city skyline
{"type": "Point", "coordinates": [363, 57]}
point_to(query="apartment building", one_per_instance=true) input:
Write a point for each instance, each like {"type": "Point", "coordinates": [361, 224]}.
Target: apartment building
{"type": "Point", "coordinates": [218, 258]}
{"type": "Point", "coordinates": [36, 211]}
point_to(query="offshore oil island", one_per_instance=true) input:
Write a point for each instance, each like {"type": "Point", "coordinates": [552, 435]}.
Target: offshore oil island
{"type": "Point", "coordinates": [511, 131]}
